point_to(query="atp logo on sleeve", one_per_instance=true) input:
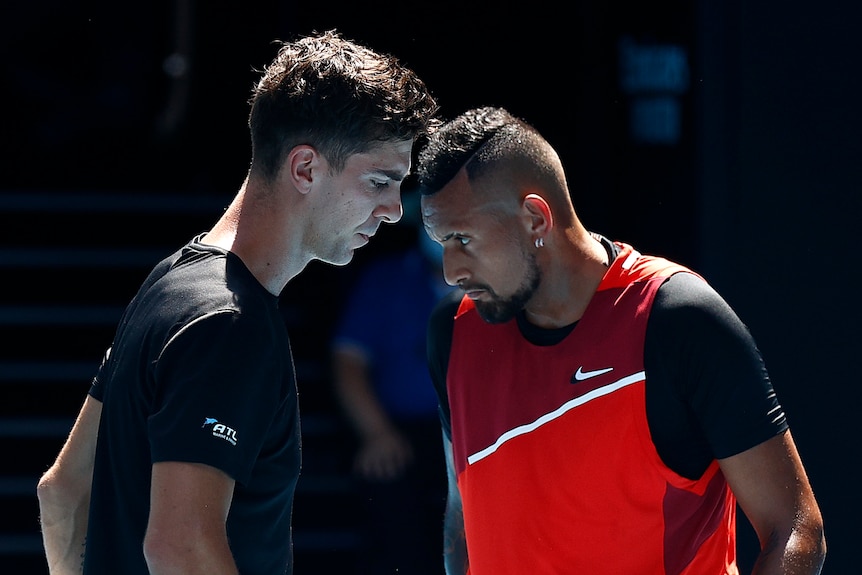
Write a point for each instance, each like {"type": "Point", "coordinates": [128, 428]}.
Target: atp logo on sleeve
{"type": "Point", "coordinates": [220, 430]}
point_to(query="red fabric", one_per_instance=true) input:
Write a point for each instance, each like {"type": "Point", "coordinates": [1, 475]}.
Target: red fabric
{"type": "Point", "coordinates": [559, 475]}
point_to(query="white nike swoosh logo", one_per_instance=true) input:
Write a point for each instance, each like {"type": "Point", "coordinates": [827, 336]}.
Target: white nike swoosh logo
{"type": "Point", "coordinates": [581, 375]}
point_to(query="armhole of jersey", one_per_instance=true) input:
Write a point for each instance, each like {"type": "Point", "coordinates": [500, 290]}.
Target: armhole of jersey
{"type": "Point", "coordinates": [440, 330]}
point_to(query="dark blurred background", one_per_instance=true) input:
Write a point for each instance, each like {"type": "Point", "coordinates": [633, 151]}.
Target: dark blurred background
{"type": "Point", "coordinates": [722, 134]}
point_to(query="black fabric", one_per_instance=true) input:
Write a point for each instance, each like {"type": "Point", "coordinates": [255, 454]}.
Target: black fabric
{"type": "Point", "coordinates": [201, 371]}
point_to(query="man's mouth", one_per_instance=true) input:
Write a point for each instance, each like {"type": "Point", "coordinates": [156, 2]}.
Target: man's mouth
{"type": "Point", "coordinates": [474, 293]}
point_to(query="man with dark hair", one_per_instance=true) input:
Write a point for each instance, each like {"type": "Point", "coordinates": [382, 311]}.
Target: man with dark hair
{"type": "Point", "coordinates": [603, 410]}
{"type": "Point", "coordinates": [186, 452]}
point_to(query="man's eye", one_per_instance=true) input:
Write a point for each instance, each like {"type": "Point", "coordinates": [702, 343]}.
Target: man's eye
{"type": "Point", "coordinates": [380, 185]}
{"type": "Point", "coordinates": [463, 241]}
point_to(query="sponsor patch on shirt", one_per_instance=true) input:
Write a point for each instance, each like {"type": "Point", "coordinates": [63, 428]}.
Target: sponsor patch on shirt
{"type": "Point", "coordinates": [220, 430]}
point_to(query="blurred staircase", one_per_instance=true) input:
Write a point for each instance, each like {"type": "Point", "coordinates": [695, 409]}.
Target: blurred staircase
{"type": "Point", "coordinates": [69, 263]}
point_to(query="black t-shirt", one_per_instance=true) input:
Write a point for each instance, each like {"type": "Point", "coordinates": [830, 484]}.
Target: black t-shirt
{"type": "Point", "coordinates": [200, 370]}
{"type": "Point", "coordinates": [708, 393]}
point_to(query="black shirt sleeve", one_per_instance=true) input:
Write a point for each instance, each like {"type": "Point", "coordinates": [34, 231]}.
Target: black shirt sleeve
{"type": "Point", "coordinates": [439, 343]}
{"type": "Point", "coordinates": [708, 392]}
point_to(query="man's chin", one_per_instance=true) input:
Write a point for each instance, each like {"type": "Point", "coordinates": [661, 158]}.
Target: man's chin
{"type": "Point", "coordinates": [340, 259]}
{"type": "Point", "coordinates": [494, 313]}
{"type": "Point", "coordinates": [344, 261]}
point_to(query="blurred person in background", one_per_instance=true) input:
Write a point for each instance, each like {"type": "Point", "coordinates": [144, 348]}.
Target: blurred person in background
{"type": "Point", "coordinates": [382, 383]}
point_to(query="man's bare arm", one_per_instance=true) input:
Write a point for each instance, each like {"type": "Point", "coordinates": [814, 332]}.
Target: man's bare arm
{"type": "Point", "coordinates": [454, 537]}
{"type": "Point", "coordinates": [64, 494]}
{"type": "Point", "coordinates": [186, 532]}
{"type": "Point", "coordinates": [773, 491]}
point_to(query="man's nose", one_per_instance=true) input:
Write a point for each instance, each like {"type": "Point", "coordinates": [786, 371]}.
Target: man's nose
{"type": "Point", "coordinates": [390, 209]}
{"type": "Point", "coordinates": [455, 271]}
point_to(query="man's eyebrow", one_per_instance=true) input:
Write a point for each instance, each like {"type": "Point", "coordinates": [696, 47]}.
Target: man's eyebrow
{"type": "Point", "coordinates": [394, 175]}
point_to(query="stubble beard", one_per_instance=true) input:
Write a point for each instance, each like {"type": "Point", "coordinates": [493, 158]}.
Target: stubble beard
{"type": "Point", "coordinates": [500, 310]}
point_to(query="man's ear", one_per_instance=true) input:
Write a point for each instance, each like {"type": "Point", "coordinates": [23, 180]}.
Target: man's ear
{"type": "Point", "coordinates": [302, 163]}
{"type": "Point", "coordinates": [539, 213]}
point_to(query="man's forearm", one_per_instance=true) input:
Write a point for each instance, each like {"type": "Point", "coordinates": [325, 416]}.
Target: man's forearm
{"type": "Point", "coordinates": [64, 532]}
{"type": "Point", "coordinates": [454, 545]}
